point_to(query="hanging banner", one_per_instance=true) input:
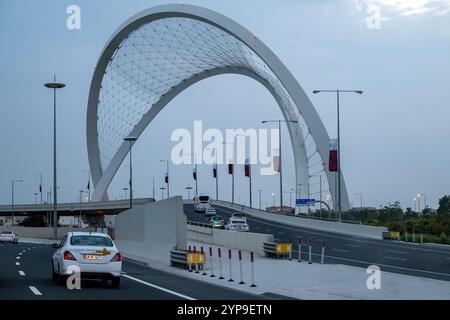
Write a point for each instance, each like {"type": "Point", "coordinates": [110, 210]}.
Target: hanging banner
{"type": "Point", "coordinates": [166, 179]}
{"type": "Point", "coordinates": [230, 168]}
{"type": "Point", "coordinates": [247, 168]}
{"type": "Point", "coordinates": [194, 174]}
{"type": "Point", "coordinates": [276, 163]}
{"type": "Point", "coordinates": [215, 170]}
{"type": "Point", "coordinates": [333, 156]}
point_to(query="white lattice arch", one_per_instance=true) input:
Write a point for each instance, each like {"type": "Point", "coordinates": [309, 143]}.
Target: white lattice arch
{"type": "Point", "coordinates": [160, 52]}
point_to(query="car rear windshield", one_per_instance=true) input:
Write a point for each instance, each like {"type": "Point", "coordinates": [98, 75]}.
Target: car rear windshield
{"type": "Point", "coordinates": [6, 232]}
{"type": "Point", "coordinates": [97, 241]}
{"type": "Point", "coordinates": [238, 221]}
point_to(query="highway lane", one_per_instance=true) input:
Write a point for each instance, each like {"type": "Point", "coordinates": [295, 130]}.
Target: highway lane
{"type": "Point", "coordinates": [390, 256]}
{"type": "Point", "coordinates": [25, 273]}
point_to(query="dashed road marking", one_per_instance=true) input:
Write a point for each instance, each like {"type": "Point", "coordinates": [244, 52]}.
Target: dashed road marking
{"type": "Point", "coordinates": [21, 273]}
{"type": "Point", "coordinates": [17, 258]}
{"type": "Point", "coordinates": [20, 253]}
{"type": "Point", "coordinates": [353, 245]}
{"type": "Point", "coordinates": [394, 258]}
{"type": "Point", "coordinates": [17, 263]}
{"type": "Point", "coordinates": [340, 250]}
{"type": "Point", "coordinates": [35, 291]}
{"type": "Point", "coordinates": [395, 251]}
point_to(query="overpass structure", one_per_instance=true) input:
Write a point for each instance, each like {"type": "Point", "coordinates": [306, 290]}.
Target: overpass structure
{"type": "Point", "coordinates": [160, 52]}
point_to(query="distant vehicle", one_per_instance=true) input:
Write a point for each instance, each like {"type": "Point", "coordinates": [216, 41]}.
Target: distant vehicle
{"type": "Point", "coordinates": [236, 224]}
{"type": "Point", "coordinates": [201, 203]}
{"type": "Point", "coordinates": [210, 212]}
{"type": "Point", "coordinates": [94, 253]}
{"type": "Point", "coordinates": [217, 222]}
{"type": "Point", "coordinates": [239, 215]}
{"type": "Point", "coordinates": [9, 236]}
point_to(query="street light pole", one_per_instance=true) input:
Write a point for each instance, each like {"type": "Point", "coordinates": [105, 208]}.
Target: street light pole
{"type": "Point", "coordinates": [168, 177]}
{"type": "Point", "coordinates": [189, 188]}
{"type": "Point", "coordinates": [259, 199]}
{"type": "Point", "coordinates": [360, 200]}
{"type": "Point", "coordinates": [54, 85]}
{"type": "Point", "coordinates": [131, 140]}
{"type": "Point", "coordinates": [40, 184]}
{"type": "Point", "coordinates": [279, 154]}
{"type": "Point", "coordinates": [339, 142]}
{"type": "Point", "coordinates": [12, 199]}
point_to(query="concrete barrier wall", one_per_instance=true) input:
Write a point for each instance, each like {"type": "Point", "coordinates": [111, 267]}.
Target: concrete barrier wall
{"type": "Point", "coordinates": [338, 227]}
{"type": "Point", "coordinates": [248, 241]}
{"type": "Point", "coordinates": [42, 232]}
{"type": "Point", "coordinates": [148, 232]}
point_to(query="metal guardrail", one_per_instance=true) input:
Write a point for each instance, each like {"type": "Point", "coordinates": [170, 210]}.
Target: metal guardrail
{"type": "Point", "coordinates": [200, 224]}
{"type": "Point", "coordinates": [181, 258]}
{"type": "Point", "coordinates": [277, 250]}
{"type": "Point", "coordinates": [242, 208]}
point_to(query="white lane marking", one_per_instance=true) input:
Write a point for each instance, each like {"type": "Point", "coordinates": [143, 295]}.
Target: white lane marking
{"type": "Point", "coordinates": [158, 287]}
{"type": "Point", "coordinates": [21, 273]}
{"type": "Point", "coordinates": [379, 264]}
{"type": "Point", "coordinates": [395, 251]}
{"type": "Point", "coordinates": [340, 250]}
{"type": "Point", "coordinates": [394, 258]}
{"type": "Point", "coordinates": [20, 253]}
{"type": "Point", "coordinates": [35, 291]}
{"type": "Point", "coordinates": [353, 245]}
{"type": "Point", "coordinates": [17, 263]}
{"type": "Point", "coordinates": [17, 258]}
{"type": "Point", "coordinates": [24, 250]}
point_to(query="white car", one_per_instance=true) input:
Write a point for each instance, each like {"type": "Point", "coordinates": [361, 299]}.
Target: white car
{"type": "Point", "coordinates": [94, 253]}
{"type": "Point", "coordinates": [9, 236]}
{"type": "Point", "coordinates": [210, 212]}
{"type": "Point", "coordinates": [235, 224]}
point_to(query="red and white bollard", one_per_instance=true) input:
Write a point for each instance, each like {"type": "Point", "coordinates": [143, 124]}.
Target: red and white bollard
{"type": "Point", "coordinates": [190, 259]}
{"type": "Point", "coordinates": [253, 270]}
{"type": "Point", "coordinates": [310, 252]}
{"type": "Point", "coordinates": [220, 263]}
{"type": "Point", "coordinates": [300, 249]}
{"type": "Point", "coordinates": [323, 252]}
{"type": "Point", "coordinates": [240, 267]}
{"type": "Point", "coordinates": [203, 255]}
{"type": "Point", "coordinates": [211, 262]}
{"type": "Point", "coordinates": [196, 265]}
{"type": "Point", "coordinates": [229, 263]}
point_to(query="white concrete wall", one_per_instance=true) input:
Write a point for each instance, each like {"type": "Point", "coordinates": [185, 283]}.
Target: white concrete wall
{"type": "Point", "coordinates": [148, 232]}
{"type": "Point", "coordinates": [248, 241]}
{"type": "Point", "coordinates": [42, 232]}
{"type": "Point", "coordinates": [338, 227]}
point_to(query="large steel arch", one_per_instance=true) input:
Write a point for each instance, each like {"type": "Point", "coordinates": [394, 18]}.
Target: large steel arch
{"type": "Point", "coordinates": [160, 52]}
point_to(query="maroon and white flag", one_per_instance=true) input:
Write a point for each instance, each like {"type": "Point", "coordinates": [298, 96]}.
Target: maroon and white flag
{"type": "Point", "coordinates": [215, 170]}
{"type": "Point", "coordinates": [230, 168]}
{"type": "Point", "coordinates": [276, 163]}
{"type": "Point", "coordinates": [166, 178]}
{"type": "Point", "coordinates": [194, 174]}
{"type": "Point", "coordinates": [247, 168]}
{"type": "Point", "coordinates": [333, 156]}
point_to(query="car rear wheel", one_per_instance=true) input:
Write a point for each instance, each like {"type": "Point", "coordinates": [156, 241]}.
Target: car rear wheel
{"type": "Point", "coordinates": [115, 282]}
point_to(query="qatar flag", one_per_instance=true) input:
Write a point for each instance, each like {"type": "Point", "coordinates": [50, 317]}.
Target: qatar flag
{"type": "Point", "coordinates": [247, 168]}
{"type": "Point", "coordinates": [166, 179]}
{"type": "Point", "coordinates": [215, 170]}
{"type": "Point", "coordinates": [230, 168]}
{"type": "Point", "coordinates": [194, 174]}
{"type": "Point", "coordinates": [276, 163]}
{"type": "Point", "coordinates": [333, 156]}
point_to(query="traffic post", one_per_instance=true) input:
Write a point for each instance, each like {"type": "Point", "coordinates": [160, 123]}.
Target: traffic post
{"type": "Point", "coordinates": [196, 265]}
{"type": "Point", "coordinates": [229, 263]}
{"type": "Point", "coordinates": [240, 267]}
{"type": "Point", "coordinates": [252, 261]}
{"type": "Point", "coordinates": [211, 262]}
{"type": "Point", "coordinates": [323, 252]}
{"type": "Point", "coordinates": [299, 249]}
{"type": "Point", "coordinates": [203, 255]}
{"type": "Point", "coordinates": [310, 252]}
{"type": "Point", "coordinates": [220, 263]}
{"type": "Point", "coordinates": [190, 259]}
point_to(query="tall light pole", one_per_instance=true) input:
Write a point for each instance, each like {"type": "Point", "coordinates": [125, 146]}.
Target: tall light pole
{"type": "Point", "coordinates": [40, 184]}
{"type": "Point", "coordinates": [360, 200]}
{"type": "Point", "coordinates": [54, 85]}
{"type": "Point", "coordinates": [196, 172]}
{"type": "Point", "coordinates": [168, 177]}
{"type": "Point", "coordinates": [35, 197]}
{"type": "Point", "coordinates": [80, 220]}
{"type": "Point", "coordinates": [162, 192]}
{"type": "Point", "coordinates": [279, 154]}
{"type": "Point", "coordinates": [12, 199]}
{"type": "Point", "coordinates": [125, 192]}
{"type": "Point", "coordinates": [89, 184]}
{"type": "Point", "coordinates": [131, 140]}
{"type": "Point", "coordinates": [339, 141]}
{"type": "Point", "coordinates": [259, 199]}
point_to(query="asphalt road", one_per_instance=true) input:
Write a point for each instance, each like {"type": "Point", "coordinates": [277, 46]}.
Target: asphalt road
{"type": "Point", "coordinates": [25, 273]}
{"type": "Point", "coordinates": [391, 256]}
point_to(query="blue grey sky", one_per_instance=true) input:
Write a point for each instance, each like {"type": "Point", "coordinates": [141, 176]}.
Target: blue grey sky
{"type": "Point", "coordinates": [394, 136]}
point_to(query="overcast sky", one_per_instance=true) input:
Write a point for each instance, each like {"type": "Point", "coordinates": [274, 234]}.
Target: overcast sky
{"type": "Point", "coordinates": [395, 137]}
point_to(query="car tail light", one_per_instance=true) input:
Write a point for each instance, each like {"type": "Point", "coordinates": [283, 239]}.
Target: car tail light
{"type": "Point", "coordinates": [117, 257]}
{"type": "Point", "coordinates": [68, 256]}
